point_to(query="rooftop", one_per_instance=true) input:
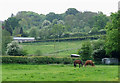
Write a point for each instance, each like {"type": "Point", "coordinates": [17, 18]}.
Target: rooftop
{"type": "Point", "coordinates": [23, 38]}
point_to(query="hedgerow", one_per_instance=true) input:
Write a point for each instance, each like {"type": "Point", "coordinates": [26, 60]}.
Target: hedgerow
{"type": "Point", "coordinates": [36, 60]}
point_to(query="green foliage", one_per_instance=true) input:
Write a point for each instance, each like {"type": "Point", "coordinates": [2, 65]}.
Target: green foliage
{"type": "Point", "coordinates": [51, 16]}
{"type": "Point", "coordinates": [86, 29]}
{"type": "Point", "coordinates": [94, 30]}
{"type": "Point", "coordinates": [38, 53]}
{"type": "Point", "coordinates": [98, 50]}
{"type": "Point", "coordinates": [112, 45]}
{"type": "Point", "coordinates": [73, 21]}
{"type": "Point", "coordinates": [98, 44]}
{"type": "Point", "coordinates": [100, 20]}
{"type": "Point", "coordinates": [10, 24]}
{"type": "Point", "coordinates": [6, 38]}
{"type": "Point", "coordinates": [86, 51]}
{"type": "Point", "coordinates": [29, 19]}
{"type": "Point", "coordinates": [58, 29]}
{"type": "Point", "coordinates": [21, 30]}
{"type": "Point", "coordinates": [33, 32]}
{"type": "Point", "coordinates": [13, 49]}
{"type": "Point", "coordinates": [99, 54]}
{"type": "Point", "coordinates": [16, 31]}
{"type": "Point", "coordinates": [46, 23]}
{"type": "Point", "coordinates": [71, 11]}
{"type": "Point", "coordinates": [36, 60]}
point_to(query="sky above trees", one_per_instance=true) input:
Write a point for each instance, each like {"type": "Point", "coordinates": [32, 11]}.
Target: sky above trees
{"type": "Point", "coordinates": [8, 7]}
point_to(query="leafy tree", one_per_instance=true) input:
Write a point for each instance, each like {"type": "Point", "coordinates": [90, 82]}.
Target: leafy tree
{"type": "Point", "coordinates": [86, 29]}
{"type": "Point", "coordinates": [46, 23]}
{"type": "Point", "coordinates": [30, 19]}
{"type": "Point", "coordinates": [55, 21]}
{"type": "Point", "coordinates": [23, 23]}
{"type": "Point", "coordinates": [71, 20]}
{"type": "Point", "coordinates": [51, 16]}
{"type": "Point", "coordinates": [87, 18]}
{"type": "Point", "coordinates": [16, 31]}
{"type": "Point", "coordinates": [98, 50]}
{"type": "Point", "coordinates": [10, 24]}
{"type": "Point", "coordinates": [58, 29]}
{"type": "Point", "coordinates": [61, 22]}
{"type": "Point", "coordinates": [100, 20]}
{"type": "Point", "coordinates": [14, 49]}
{"type": "Point", "coordinates": [86, 51]}
{"type": "Point", "coordinates": [5, 40]}
{"type": "Point", "coordinates": [72, 11]}
{"type": "Point", "coordinates": [21, 30]}
{"type": "Point", "coordinates": [33, 32]}
{"type": "Point", "coordinates": [112, 45]}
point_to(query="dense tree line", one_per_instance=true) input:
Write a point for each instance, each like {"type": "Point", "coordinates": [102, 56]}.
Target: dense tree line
{"type": "Point", "coordinates": [109, 47]}
{"type": "Point", "coordinates": [72, 22]}
{"type": "Point", "coordinates": [28, 23]}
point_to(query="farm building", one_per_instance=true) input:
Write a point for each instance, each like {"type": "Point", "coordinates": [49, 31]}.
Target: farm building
{"type": "Point", "coordinates": [110, 61]}
{"type": "Point", "coordinates": [24, 39]}
{"type": "Point", "coordinates": [75, 55]}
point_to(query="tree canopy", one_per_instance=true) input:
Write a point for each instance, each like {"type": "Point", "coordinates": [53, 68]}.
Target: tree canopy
{"type": "Point", "coordinates": [73, 20]}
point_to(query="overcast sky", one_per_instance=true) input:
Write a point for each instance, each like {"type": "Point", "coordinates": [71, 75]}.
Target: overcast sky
{"type": "Point", "coordinates": [7, 7]}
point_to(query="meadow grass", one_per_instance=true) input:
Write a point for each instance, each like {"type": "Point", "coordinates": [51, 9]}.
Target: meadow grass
{"type": "Point", "coordinates": [55, 72]}
{"type": "Point", "coordinates": [62, 49]}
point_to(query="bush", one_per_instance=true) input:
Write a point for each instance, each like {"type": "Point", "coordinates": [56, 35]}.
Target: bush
{"type": "Point", "coordinates": [36, 60]}
{"type": "Point", "coordinates": [38, 53]}
{"type": "Point", "coordinates": [99, 54]}
{"type": "Point", "coordinates": [98, 50]}
{"type": "Point", "coordinates": [14, 49]}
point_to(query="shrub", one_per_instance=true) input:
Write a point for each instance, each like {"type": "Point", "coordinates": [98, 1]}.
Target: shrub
{"type": "Point", "coordinates": [14, 49]}
{"type": "Point", "coordinates": [38, 53]}
{"type": "Point", "coordinates": [98, 50]}
{"type": "Point", "coordinates": [36, 60]}
{"type": "Point", "coordinates": [98, 54]}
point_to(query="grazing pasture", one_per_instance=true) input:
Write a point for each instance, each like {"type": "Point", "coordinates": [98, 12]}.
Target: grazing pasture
{"type": "Point", "coordinates": [55, 72]}
{"type": "Point", "coordinates": [62, 49]}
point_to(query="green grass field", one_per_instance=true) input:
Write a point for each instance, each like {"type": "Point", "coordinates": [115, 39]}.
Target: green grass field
{"type": "Point", "coordinates": [60, 49]}
{"type": "Point", "coordinates": [54, 72]}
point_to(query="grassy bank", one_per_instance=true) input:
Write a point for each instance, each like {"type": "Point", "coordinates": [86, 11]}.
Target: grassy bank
{"type": "Point", "coordinates": [19, 72]}
{"type": "Point", "coordinates": [62, 49]}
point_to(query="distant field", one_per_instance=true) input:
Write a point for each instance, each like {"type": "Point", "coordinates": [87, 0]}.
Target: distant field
{"type": "Point", "coordinates": [62, 49]}
{"type": "Point", "coordinates": [19, 72]}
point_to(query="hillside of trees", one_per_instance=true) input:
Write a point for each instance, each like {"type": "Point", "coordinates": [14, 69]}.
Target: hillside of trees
{"type": "Point", "coordinates": [71, 23]}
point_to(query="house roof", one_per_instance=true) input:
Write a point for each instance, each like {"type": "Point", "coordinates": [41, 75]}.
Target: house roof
{"type": "Point", "coordinates": [75, 55]}
{"type": "Point", "coordinates": [23, 38]}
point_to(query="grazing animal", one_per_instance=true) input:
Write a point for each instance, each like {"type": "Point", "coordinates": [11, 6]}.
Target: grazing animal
{"type": "Point", "coordinates": [89, 62]}
{"type": "Point", "coordinates": [78, 62]}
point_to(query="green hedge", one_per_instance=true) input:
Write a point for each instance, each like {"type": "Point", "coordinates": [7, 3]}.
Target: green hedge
{"type": "Point", "coordinates": [36, 60]}
{"type": "Point", "coordinates": [70, 38]}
